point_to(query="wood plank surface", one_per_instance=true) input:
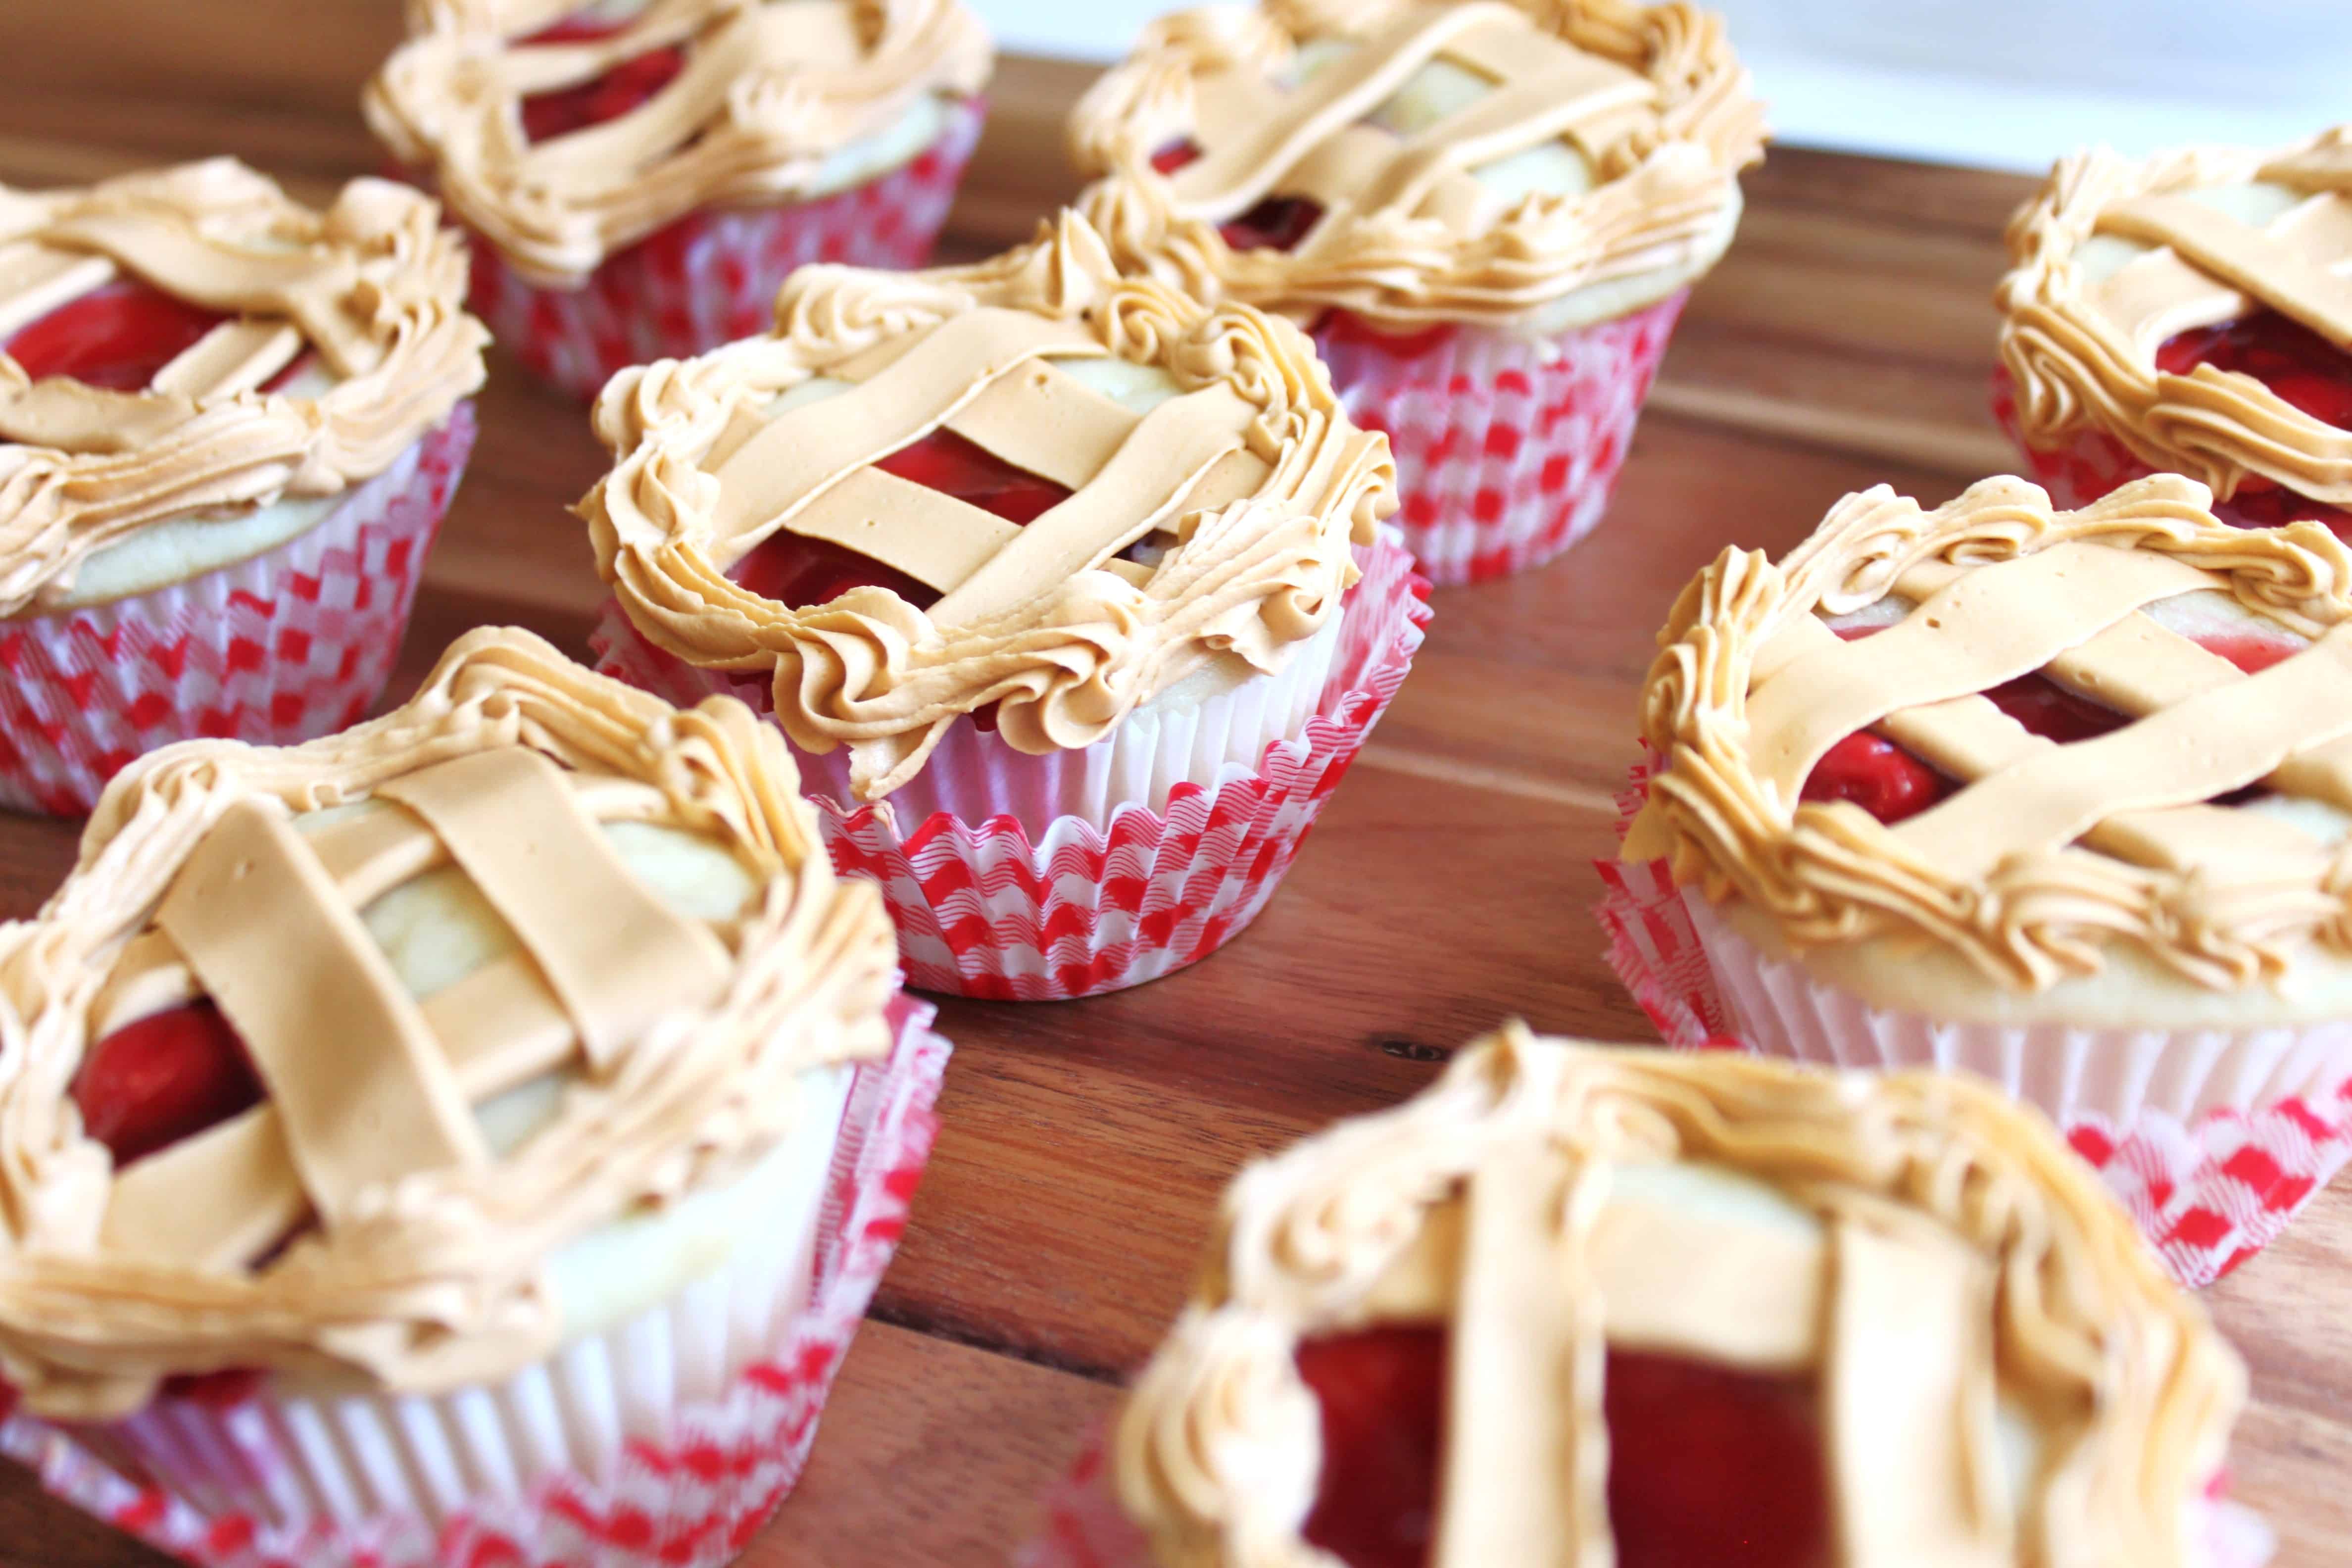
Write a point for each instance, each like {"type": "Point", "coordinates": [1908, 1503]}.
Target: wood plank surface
{"type": "Point", "coordinates": [1845, 342]}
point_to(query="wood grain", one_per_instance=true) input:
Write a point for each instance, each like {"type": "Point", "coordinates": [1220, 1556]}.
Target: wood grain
{"type": "Point", "coordinates": [1845, 342]}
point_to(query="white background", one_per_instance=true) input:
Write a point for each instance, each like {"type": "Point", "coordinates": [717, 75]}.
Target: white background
{"type": "Point", "coordinates": [2009, 83]}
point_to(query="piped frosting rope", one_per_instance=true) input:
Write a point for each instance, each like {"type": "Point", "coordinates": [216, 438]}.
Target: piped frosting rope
{"type": "Point", "coordinates": [1254, 477]}
{"type": "Point", "coordinates": [1962, 1247]}
{"type": "Point", "coordinates": [769, 93]}
{"type": "Point", "coordinates": [1651, 96]}
{"type": "Point", "coordinates": [424, 1271]}
{"type": "Point", "coordinates": [374, 285]}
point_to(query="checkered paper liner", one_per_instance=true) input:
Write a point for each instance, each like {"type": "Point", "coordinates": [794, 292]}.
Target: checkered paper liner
{"type": "Point", "coordinates": [1084, 1526]}
{"type": "Point", "coordinates": [691, 1496]}
{"type": "Point", "coordinates": [711, 278]}
{"type": "Point", "coordinates": [1508, 450]}
{"type": "Point", "coordinates": [985, 908]}
{"type": "Point", "coordinates": [2212, 1140]}
{"type": "Point", "coordinates": [288, 646]}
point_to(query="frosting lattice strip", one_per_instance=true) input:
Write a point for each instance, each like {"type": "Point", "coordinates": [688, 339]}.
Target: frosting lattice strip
{"type": "Point", "coordinates": [2253, 259]}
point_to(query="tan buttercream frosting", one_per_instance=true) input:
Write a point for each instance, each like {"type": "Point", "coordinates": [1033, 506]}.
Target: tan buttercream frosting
{"type": "Point", "coordinates": [1959, 1258]}
{"type": "Point", "coordinates": [2048, 854]}
{"type": "Point", "coordinates": [1651, 96]}
{"type": "Point", "coordinates": [2081, 343]}
{"type": "Point", "coordinates": [772, 89]}
{"type": "Point", "coordinates": [374, 285]}
{"type": "Point", "coordinates": [1254, 476]}
{"type": "Point", "coordinates": [416, 1257]}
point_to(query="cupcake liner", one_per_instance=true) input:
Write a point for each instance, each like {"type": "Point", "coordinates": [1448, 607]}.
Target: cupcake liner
{"type": "Point", "coordinates": [287, 646]}
{"type": "Point", "coordinates": [1116, 893]}
{"type": "Point", "coordinates": [663, 1442]}
{"type": "Point", "coordinates": [711, 278]}
{"type": "Point", "coordinates": [1084, 1526]}
{"type": "Point", "coordinates": [2089, 466]}
{"type": "Point", "coordinates": [2212, 1138]}
{"type": "Point", "coordinates": [1507, 450]}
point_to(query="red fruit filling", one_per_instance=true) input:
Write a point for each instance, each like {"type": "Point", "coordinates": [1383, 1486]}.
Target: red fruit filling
{"type": "Point", "coordinates": [1278, 223]}
{"type": "Point", "coordinates": [1891, 783]}
{"type": "Point", "coordinates": [119, 338]}
{"type": "Point", "coordinates": [547, 115]}
{"type": "Point", "coordinates": [1709, 1466]}
{"type": "Point", "coordinates": [2301, 367]}
{"type": "Point", "coordinates": [799, 571]}
{"type": "Point", "coordinates": [165, 1078]}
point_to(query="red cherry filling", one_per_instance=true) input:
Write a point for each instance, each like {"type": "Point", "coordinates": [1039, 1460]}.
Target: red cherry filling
{"type": "Point", "coordinates": [118, 337]}
{"type": "Point", "coordinates": [167, 1077]}
{"type": "Point", "coordinates": [2301, 367]}
{"type": "Point", "coordinates": [1891, 783]}
{"type": "Point", "coordinates": [1709, 1466]}
{"type": "Point", "coordinates": [1278, 223]}
{"type": "Point", "coordinates": [547, 115]}
{"type": "Point", "coordinates": [799, 571]}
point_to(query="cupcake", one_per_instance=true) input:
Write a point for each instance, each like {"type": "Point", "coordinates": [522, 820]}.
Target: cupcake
{"type": "Point", "coordinates": [1067, 588]}
{"type": "Point", "coordinates": [229, 426]}
{"type": "Point", "coordinates": [1488, 215]}
{"type": "Point", "coordinates": [640, 175]}
{"type": "Point", "coordinates": [469, 1138]}
{"type": "Point", "coordinates": [2188, 314]}
{"type": "Point", "coordinates": [2059, 798]}
{"type": "Point", "coordinates": [1583, 1305]}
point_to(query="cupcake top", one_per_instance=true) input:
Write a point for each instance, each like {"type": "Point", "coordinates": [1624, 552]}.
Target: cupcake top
{"type": "Point", "coordinates": [1689, 1308]}
{"type": "Point", "coordinates": [182, 351]}
{"type": "Point", "coordinates": [2196, 308]}
{"type": "Point", "coordinates": [2001, 759]}
{"type": "Point", "coordinates": [1029, 486]}
{"type": "Point", "coordinates": [1531, 167]}
{"type": "Point", "coordinates": [563, 133]}
{"type": "Point", "coordinates": [323, 1056]}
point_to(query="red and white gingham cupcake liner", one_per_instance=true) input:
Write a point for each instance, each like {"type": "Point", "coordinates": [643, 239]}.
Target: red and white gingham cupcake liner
{"type": "Point", "coordinates": [2212, 1140]}
{"type": "Point", "coordinates": [711, 278]}
{"type": "Point", "coordinates": [984, 910]}
{"type": "Point", "coordinates": [1085, 1526]}
{"type": "Point", "coordinates": [290, 645]}
{"type": "Point", "coordinates": [691, 1497]}
{"type": "Point", "coordinates": [1508, 450]}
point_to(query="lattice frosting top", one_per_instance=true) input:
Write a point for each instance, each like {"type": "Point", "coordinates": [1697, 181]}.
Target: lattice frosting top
{"type": "Point", "coordinates": [1253, 478]}
{"type": "Point", "coordinates": [2218, 232]}
{"type": "Point", "coordinates": [2046, 856]}
{"type": "Point", "coordinates": [1650, 97]}
{"type": "Point", "coordinates": [1950, 1259]}
{"type": "Point", "coordinates": [354, 1223]}
{"type": "Point", "coordinates": [373, 287]}
{"type": "Point", "coordinates": [770, 91]}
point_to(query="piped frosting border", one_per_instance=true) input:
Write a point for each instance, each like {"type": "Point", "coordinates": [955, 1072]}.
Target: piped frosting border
{"type": "Point", "coordinates": [1064, 645]}
{"type": "Point", "coordinates": [2076, 365]}
{"type": "Point", "coordinates": [437, 1283]}
{"type": "Point", "coordinates": [374, 284]}
{"type": "Point", "coordinates": [774, 90]}
{"type": "Point", "coordinates": [1665, 184]}
{"type": "Point", "coordinates": [1216, 1452]}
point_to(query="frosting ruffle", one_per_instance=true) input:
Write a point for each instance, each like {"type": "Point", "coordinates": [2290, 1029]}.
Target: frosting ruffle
{"type": "Point", "coordinates": [374, 284]}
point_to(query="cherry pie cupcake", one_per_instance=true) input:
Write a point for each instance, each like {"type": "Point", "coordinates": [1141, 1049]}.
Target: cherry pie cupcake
{"type": "Point", "coordinates": [1067, 588]}
{"type": "Point", "coordinates": [229, 428]}
{"type": "Point", "coordinates": [2188, 314]}
{"type": "Point", "coordinates": [1489, 214]}
{"type": "Point", "coordinates": [640, 175]}
{"type": "Point", "coordinates": [2056, 797]}
{"type": "Point", "coordinates": [1575, 1304]}
{"type": "Point", "coordinates": [469, 1138]}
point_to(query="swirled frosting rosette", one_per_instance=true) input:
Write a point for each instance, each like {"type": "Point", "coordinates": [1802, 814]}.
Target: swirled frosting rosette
{"type": "Point", "coordinates": [1025, 548]}
{"type": "Point", "coordinates": [640, 177]}
{"type": "Point", "coordinates": [2059, 797]}
{"type": "Point", "coordinates": [229, 426]}
{"type": "Point", "coordinates": [412, 1136]}
{"type": "Point", "coordinates": [1488, 213]}
{"type": "Point", "coordinates": [1582, 1304]}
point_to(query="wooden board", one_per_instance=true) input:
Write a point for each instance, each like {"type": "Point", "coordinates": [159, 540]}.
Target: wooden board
{"type": "Point", "coordinates": [1846, 341]}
